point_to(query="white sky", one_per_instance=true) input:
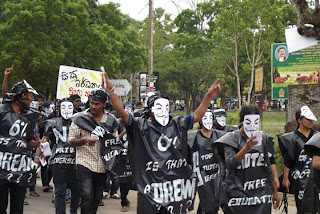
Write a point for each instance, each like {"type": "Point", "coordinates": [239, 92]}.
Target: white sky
{"type": "Point", "coordinates": [139, 9]}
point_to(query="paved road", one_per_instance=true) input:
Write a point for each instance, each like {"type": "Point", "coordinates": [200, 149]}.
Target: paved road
{"type": "Point", "coordinates": [44, 205]}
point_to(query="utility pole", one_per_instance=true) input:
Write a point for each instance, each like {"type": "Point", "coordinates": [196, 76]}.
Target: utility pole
{"type": "Point", "coordinates": [150, 46]}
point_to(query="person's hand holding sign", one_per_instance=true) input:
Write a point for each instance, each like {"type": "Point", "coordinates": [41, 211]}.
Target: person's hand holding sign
{"type": "Point", "coordinates": [106, 83]}
{"type": "Point", "coordinates": [116, 102]}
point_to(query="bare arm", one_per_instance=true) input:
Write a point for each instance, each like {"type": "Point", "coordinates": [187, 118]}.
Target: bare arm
{"type": "Point", "coordinates": [7, 73]}
{"type": "Point", "coordinates": [316, 162]}
{"type": "Point", "coordinates": [213, 91]}
{"type": "Point", "coordinates": [275, 187]}
{"type": "Point", "coordinates": [75, 138]}
{"type": "Point", "coordinates": [34, 143]}
{"type": "Point", "coordinates": [116, 102]}
{"type": "Point", "coordinates": [250, 143]}
{"type": "Point", "coordinates": [286, 182]}
{"type": "Point", "coordinates": [122, 133]}
{"type": "Point", "coordinates": [275, 175]}
{"type": "Point", "coordinates": [78, 141]}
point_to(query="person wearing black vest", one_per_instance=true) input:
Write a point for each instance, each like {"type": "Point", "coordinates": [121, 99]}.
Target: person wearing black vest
{"type": "Point", "coordinates": [312, 149]}
{"type": "Point", "coordinates": [17, 169]}
{"type": "Point", "coordinates": [207, 164]}
{"type": "Point", "coordinates": [91, 132]}
{"type": "Point", "coordinates": [250, 184]}
{"type": "Point", "coordinates": [125, 178]}
{"type": "Point", "coordinates": [297, 165]}
{"type": "Point", "coordinates": [163, 174]}
{"type": "Point", "coordinates": [219, 122]}
{"type": "Point", "coordinates": [63, 158]}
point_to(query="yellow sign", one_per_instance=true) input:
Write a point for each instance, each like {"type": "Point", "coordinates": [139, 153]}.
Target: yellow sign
{"type": "Point", "coordinates": [79, 81]}
{"type": "Point", "coordinates": [258, 79]}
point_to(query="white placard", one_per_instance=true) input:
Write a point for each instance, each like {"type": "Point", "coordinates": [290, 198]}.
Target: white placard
{"type": "Point", "coordinates": [45, 149]}
{"type": "Point", "coordinates": [258, 135]}
{"type": "Point", "coordinates": [296, 42]}
{"type": "Point", "coordinates": [94, 137]}
{"type": "Point", "coordinates": [79, 81]}
{"type": "Point", "coordinates": [43, 161]}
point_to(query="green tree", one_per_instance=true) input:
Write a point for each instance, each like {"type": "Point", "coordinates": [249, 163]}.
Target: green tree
{"type": "Point", "coordinates": [244, 31]}
{"type": "Point", "coordinates": [37, 36]}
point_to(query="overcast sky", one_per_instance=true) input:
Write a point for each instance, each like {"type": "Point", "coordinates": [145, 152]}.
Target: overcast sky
{"type": "Point", "coordinates": [138, 9]}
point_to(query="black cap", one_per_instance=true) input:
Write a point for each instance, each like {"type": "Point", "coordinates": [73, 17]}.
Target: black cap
{"type": "Point", "coordinates": [219, 112]}
{"type": "Point", "coordinates": [98, 96]}
{"type": "Point", "coordinates": [20, 88]}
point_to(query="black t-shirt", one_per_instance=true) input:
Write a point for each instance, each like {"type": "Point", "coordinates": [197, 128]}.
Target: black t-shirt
{"type": "Point", "coordinates": [162, 159]}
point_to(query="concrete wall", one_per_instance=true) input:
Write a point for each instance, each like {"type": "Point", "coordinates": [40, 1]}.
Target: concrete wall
{"type": "Point", "coordinates": [299, 95]}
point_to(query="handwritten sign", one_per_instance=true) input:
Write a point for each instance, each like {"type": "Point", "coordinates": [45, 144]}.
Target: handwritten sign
{"type": "Point", "coordinates": [80, 81]}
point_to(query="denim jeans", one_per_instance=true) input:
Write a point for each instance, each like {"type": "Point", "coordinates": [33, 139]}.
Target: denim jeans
{"type": "Point", "coordinates": [112, 188]}
{"type": "Point", "coordinates": [17, 194]}
{"type": "Point", "coordinates": [46, 174]}
{"type": "Point", "coordinates": [91, 189]}
{"type": "Point", "coordinates": [64, 177]}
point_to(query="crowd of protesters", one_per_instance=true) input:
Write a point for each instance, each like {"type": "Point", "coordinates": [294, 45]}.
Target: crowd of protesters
{"type": "Point", "coordinates": [93, 150]}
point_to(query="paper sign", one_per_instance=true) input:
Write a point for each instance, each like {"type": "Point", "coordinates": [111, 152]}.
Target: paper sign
{"type": "Point", "coordinates": [258, 135]}
{"type": "Point", "coordinates": [296, 42]}
{"type": "Point", "coordinates": [94, 137]}
{"type": "Point", "coordinates": [103, 77]}
{"type": "Point", "coordinates": [43, 162]}
{"type": "Point", "coordinates": [38, 169]}
{"type": "Point", "coordinates": [45, 148]}
{"type": "Point", "coordinates": [79, 81]}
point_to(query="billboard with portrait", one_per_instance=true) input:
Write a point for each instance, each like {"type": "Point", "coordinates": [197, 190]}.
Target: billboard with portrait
{"type": "Point", "coordinates": [297, 68]}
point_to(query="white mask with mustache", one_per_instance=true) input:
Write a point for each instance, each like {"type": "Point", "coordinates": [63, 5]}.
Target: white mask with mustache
{"type": "Point", "coordinates": [207, 120]}
{"type": "Point", "coordinates": [129, 109]}
{"type": "Point", "coordinates": [66, 109]}
{"type": "Point", "coordinates": [34, 105]}
{"type": "Point", "coordinates": [221, 120]}
{"type": "Point", "coordinates": [160, 110]}
{"type": "Point", "coordinates": [251, 124]}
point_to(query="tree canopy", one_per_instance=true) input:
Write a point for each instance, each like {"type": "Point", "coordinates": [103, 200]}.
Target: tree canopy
{"type": "Point", "coordinates": [224, 39]}
{"type": "Point", "coordinates": [38, 36]}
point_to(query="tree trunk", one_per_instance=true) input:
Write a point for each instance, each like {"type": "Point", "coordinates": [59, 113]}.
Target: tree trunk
{"type": "Point", "coordinates": [239, 91]}
{"type": "Point", "coordinates": [187, 102]}
{"type": "Point", "coordinates": [305, 17]}
{"type": "Point", "coordinates": [261, 99]}
{"type": "Point", "coordinates": [251, 84]}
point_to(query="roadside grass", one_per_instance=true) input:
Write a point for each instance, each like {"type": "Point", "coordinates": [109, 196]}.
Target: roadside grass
{"type": "Point", "coordinates": [272, 123]}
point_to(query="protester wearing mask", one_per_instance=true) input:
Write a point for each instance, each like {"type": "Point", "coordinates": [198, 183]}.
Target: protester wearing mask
{"type": "Point", "coordinates": [220, 119]}
{"type": "Point", "coordinates": [125, 179]}
{"type": "Point", "coordinates": [250, 185]}
{"type": "Point", "coordinates": [34, 113]}
{"type": "Point", "coordinates": [63, 158]}
{"type": "Point", "coordinates": [297, 164]}
{"type": "Point", "coordinates": [161, 153]}
{"type": "Point", "coordinates": [19, 172]}
{"type": "Point", "coordinates": [89, 132]}
{"type": "Point", "coordinates": [312, 148]}
{"type": "Point", "coordinates": [207, 165]}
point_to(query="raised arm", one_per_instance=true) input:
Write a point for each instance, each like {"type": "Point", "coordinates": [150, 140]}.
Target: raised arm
{"type": "Point", "coordinates": [116, 102]}
{"type": "Point", "coordinates": [7, 73]}
{"type": "Point", "coordinates": [213, 91]}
